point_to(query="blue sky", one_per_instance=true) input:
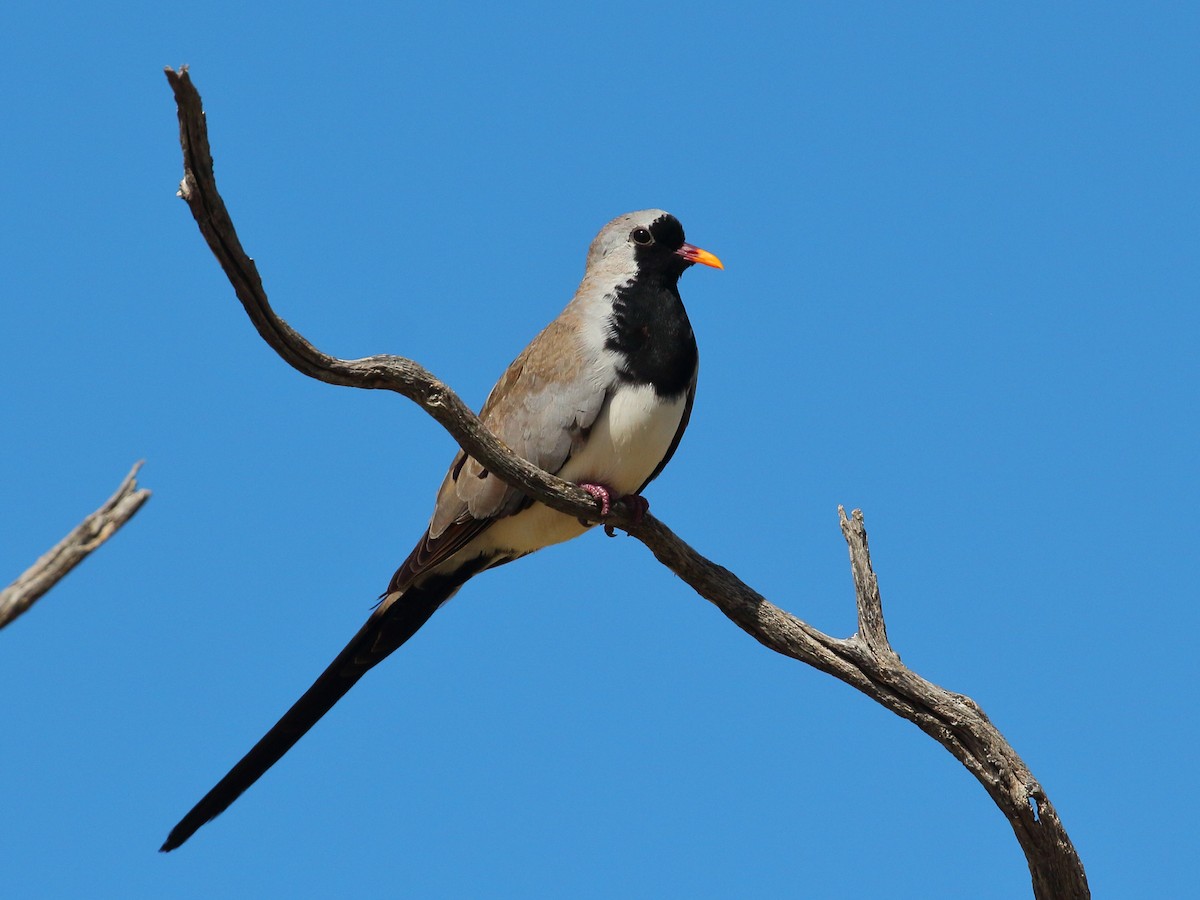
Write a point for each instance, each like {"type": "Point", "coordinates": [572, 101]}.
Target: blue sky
{"type": "Point", "coordinates": [961, 293]}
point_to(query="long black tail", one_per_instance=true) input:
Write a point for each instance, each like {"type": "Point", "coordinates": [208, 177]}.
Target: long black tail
{"type": "Point", "coordinates": [389, 626]}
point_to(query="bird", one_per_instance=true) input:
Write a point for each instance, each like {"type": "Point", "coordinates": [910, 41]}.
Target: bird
{"type": "Point", "coordinates": [601, 397]}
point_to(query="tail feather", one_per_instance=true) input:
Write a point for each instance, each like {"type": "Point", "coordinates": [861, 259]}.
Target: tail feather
{"type": "Point", "coordinates": [394, 622]}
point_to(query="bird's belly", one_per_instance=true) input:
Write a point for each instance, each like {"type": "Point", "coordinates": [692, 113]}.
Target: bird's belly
{"type": "Point", "coordinates": [628, 440]}
{"type": "Point", "coordinates": [626, 443]}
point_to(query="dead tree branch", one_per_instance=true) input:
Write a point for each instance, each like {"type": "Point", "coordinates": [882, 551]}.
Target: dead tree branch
{"type": "Point", "coordinates": [865, 661]}
{"type": "Point", "coordinates": [73, 549]}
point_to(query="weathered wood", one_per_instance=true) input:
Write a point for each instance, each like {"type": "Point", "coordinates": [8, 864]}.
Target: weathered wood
{"type": "Point", "coordinates": [865, 661]}
{"type": "Point", "coordinates": [73, 549]}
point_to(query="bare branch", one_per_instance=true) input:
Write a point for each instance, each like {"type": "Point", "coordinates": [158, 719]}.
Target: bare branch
{"type": "Point", "coordinates": [73, 549]}
{"type": "Point", "coordinates": [392, 373]}
{"type": "Point", "coordinates": [865, 661]}
{"type": "Point", "coordinates": [871, 628]}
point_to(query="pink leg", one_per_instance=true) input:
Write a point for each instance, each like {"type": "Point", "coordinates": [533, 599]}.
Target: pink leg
{"type": "Point", "coordinates": [637, 504]}
{"type": "Point", "coordinates": [602, 495]}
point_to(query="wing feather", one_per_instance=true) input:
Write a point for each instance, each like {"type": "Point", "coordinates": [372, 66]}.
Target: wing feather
{"type": "Point", "coordinates": [541, 408]}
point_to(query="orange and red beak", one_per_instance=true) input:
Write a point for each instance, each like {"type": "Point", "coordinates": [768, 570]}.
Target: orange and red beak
{"type": "Point", "coordinates": [696, 255]}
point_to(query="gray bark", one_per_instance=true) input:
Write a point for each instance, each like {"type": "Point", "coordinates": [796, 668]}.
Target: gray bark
{"type": "Point", "coordinates": [89, 534]}
{"type": "Point", "coordinates": [865, 660]}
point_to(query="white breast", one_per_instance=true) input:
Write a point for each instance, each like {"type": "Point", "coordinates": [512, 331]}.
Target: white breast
{"type": "Point", "coordinates": [628, 440]}
{"type": "Point", "coordinates": [626, 443]}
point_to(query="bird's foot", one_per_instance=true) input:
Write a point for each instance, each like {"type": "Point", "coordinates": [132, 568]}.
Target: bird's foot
{"type": "Point", "coordinates": [637, 504]}
{"type": "Point", "coordinates": [638, 507]}
{"type": "Point", "coordinates": [601, 494]}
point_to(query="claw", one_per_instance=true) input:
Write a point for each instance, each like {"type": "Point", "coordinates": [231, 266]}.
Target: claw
{"type": "Point", "coordinates": [638, 507]}
{"type": "Point", "coordinates": [600, 494]}
{"type": "Point", "coordinates": [637, 504]}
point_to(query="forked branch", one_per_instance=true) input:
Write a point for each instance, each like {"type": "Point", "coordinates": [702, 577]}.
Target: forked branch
{"type": "Point", "coordinates": [865, 661]}
{"type": "Point", "coordinates": [73, 549]}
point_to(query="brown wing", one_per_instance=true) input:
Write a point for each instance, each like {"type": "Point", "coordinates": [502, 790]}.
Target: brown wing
{"type": "Point", "coordinates": [539, 408]}
{"type": "Point", "coordinates": [433, 551]}
{"type": "Point", "coordinates": [545, 398]}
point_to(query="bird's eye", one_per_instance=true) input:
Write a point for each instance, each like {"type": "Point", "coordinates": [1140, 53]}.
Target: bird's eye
{"type": "Point", "coordinates": [642, 236]}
